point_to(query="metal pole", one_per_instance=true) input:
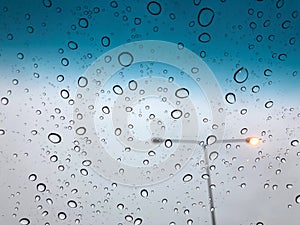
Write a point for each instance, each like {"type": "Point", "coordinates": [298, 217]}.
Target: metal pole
{"type": "Point", "coordinates": [210, 193]}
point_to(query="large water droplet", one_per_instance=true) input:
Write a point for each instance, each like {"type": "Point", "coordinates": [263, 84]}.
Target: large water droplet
{"type": "Point", "coordinates": [132, 85]}
{"type": "Point", "coordinates": [105, 110]}
{"type": "Point", "coordinates": [241, 75]}
{"type": "Point", "coordinates": [138, 221]}
{"type": "Point", "coordinates": [205, 17]}
{"type": "Point", "coordinates": [4, 101]}
{"type": "Point", "coordinates": [187, 178]}
{"type": "Point", "coordinates": [125, 59]}
{"type": "Point", "coordinates": [54, 138]}
{"type": "Point", "coordinates": [297, 199]}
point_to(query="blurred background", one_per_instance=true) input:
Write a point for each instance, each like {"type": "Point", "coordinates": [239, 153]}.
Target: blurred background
{"type": "Point", "coordinates": [53, 170]}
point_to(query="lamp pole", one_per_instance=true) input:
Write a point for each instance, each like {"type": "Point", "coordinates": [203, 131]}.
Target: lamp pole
{"type": "Point", "coordinates": [250, 140]}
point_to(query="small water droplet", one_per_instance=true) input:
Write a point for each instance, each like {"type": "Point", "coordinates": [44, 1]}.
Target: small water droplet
{"type": "Point", "coordinates": [54, 138]}
{"type": "Point", "coordinates": [230, 98]}
{"type": "Point", "coordinates": [211, 139]}
{"type": "Point", "coordinates": [24, 221]}
{"type": "Point", "coordinates": [213, 155]}
{"type": "Point", "coordinates": [117, 89]}
{"type": "Point", "coordinates": [62, 215]}
{"type": "Point", "coordinates": [294, 143]}
{"type": "Point", "coordinates": [187, 178]}
{"type": "Point", "coordinates": [138, 221]}
{"type": "Point", "coordinates": [297, 199]}
{"type": "Point", "coordinates": [182, 93]}
{"type": "Point", "coordinates": [144, 193]}
{"type": "Point", "coordinates": [128, 218]}
{"type": "Point", "coordinates": [105, 110]}
{"type": "Point", "coordinates": [84, 172]}
{"type": "Point", "coordinates": [132, 85]}
{"type": "Point", "coordinates": [176, 114]}
{"type": "Point", "coordinates": [82, 82]}
{"type": "Point", "coordinates": [41, 187]}
{"type": "Point", "coordinates": [72, 204]}
{"type": "Point", "coordinates": [241, 75]}
{"type": "Point", "coordinates": [4, 101]}
{"type": "Point", "coordinates": [269, 104]}
{"type": "Point", "coordinates": [32, 177]}
{"type": "Point", "coordinates": [120, 206]}
{"type": "Point", "coordinates": [81, 130]}
{"type": "Point", "coordinates": [168, 143]}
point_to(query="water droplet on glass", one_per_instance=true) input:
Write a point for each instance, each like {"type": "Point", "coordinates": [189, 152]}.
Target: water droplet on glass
{"type": "Point", "coordinates": [105, 110]}
{"type": "Point", "coordinates": [2, 132]}
{"type": "Point", "coordinates": [105, 41]}
{"type": "Point", "coordinates": [268, 72]}
{"type": "Point", "coordinates": [120, 206]}
{"type": "Point", "coordinates": [72, 204]}
{"type": "Point", "coordinates": [168, 143]}
{"type": "Point", "coordinates": [244, 130]}
{"type": "Point", "coordinates": [62, 215]}
{"type": "Point", "coordinates": [294, 143]}
{"type": "Point", "coordinates": [204, 37]}
{"type": "Point", "coordinates": [128, 218]}
{"type": "Point", "coordinates": [154, 8]}
{"type": "Point", "coordinates": [84, 172]}
{"type": "Point", "coordinates": [64, 94]}
{"type": "Point", "coordinates": [132, 85]}
{"type": "Point", "coordinates": [54, 138]}
{"type": "Point", "coordinates": [86, 162]}
{"type": "Point", "coordinates": [41, 187]}
{"type": "Point", "coordinates": [211, 139]}
{"type": "Point", "coordinates": [230, 98]}
{"type": "Point", "coordinates": [83, 22]}
{"type": "Point", "coordinates": [176, 114]}
{"type": "Point", "coordinates": [187, 178]}
{"type": "Point", "coordinates": [213, 155]}
{"type": "Point", "coordinates": [118, 90]}
{"type": "Point", "coordinates": [255, 89]}
{"type": "Point", "coordinates": [269, 104]}
{"type": "Point", "coordinates": [241, 75]}
{"type": "Point", "coordinates": [32, 177]}
{"type": "Point", "coordinates": [125, 59]}
{"type": "Point", "coordinates": [4, 101]}
{"type": "Point", "coordinates": [182, 93]}
{"type": "Point", "coordinates": [297, 199]}
{"type": "Point", "coordinates": [138, 221]}
{"type": "Point", "coordinates": [205, 17]}
{"type": "Point", "coordinates": [82, 82]}
{"type": "Point", "coordinates": [144, 193]}
{"type": "Point", "coordinates": [81, 130]}
{"type": "Point", "coordinates": [72, 45]}
{"type": "Point", "coordinates": [24, 221]}
{"type": "Point", "coordinates": [118, 131]}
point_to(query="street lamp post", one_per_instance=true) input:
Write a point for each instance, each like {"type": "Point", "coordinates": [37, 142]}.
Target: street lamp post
{"type": "Point", "coordinates": [250, 140]}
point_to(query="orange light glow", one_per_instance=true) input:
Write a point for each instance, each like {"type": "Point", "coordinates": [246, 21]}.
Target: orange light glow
{"type": "Point", "coordinates": [253, 141]}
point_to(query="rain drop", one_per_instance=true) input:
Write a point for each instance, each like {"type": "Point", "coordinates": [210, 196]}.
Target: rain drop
{"type": "Point", "coordinates": [138, 221]}
{"type": "Point", "coordinates": [54, 138]}
{"type": "Point", "coordinates": [230, 98]}
{"type": "Point", "coordinates": [269, 104]}
{"type": "Point", "coordinates": [72, 204]}
{"type": "Point", "coordinates": [82, 82]}
{"type": "Point", "coordinates": [176, 114]}
{"type": "Point", "coordinates": [182, 93]}
{"type": "Point", "coordinates": [81, 130]}
{"type": "Point", "coordinates": [4, 101]}
{"type": "Point", "coordinates": [168, 143]}
{"type": "Point", "coordinates": [144, 193]}
{"type": "Point", "coordinates": [241, 75]}
{"type": "Point", "coordinates": [294, 143]}
{"type": "Point", "coordinates": [132, 85]}
{"type": "Point", "coordinates": [211, 139]}
{"type": "Point", "coordinates": [205, 17]}
{"type": "Point", "coordinates": [213, 155]}
{"type": "Point", "coordinates": [41, 187]}
{"type": "Point", "coordinates": [105, 110]}
{"type": "Point", "coordinates": [118, 90]}
{"type": "Point", "coordinates": [32, 177]}
{"type": "Point", "coordinates": [297, 199]}
{"type": "Point", "coordinates": [62, 215]}
{"type": "Point", "coordinates": [125, 59]}
{"type": "Point", "coordinates": [187, 178]}
{"type": "Point", "coordinates": [83, 23]}
{"type": "Point", "coordinates": [64, 94]}
{"type": "Point", "coordinates": [24, 221]}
